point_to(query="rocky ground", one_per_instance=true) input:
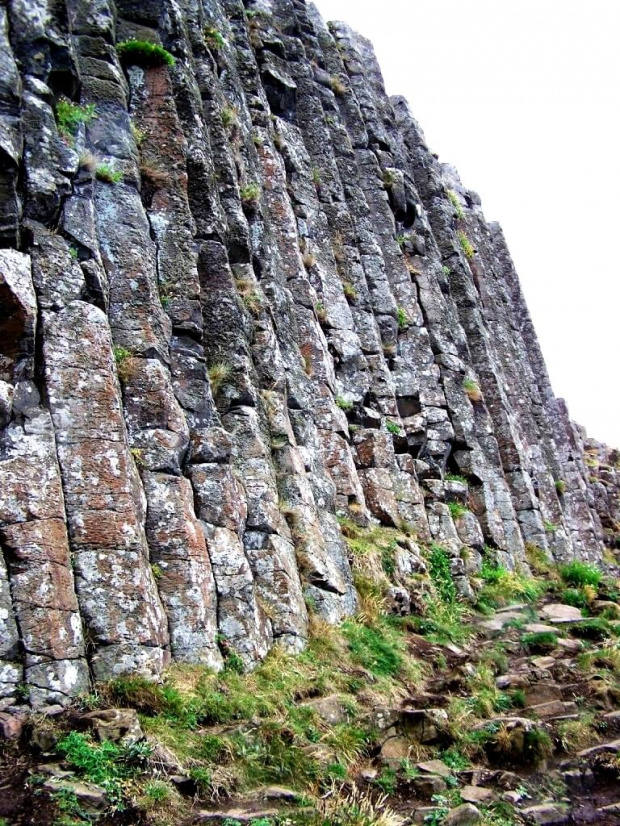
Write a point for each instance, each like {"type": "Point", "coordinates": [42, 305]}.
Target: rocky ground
{"type": "Point", "coordinates": [504, 714]}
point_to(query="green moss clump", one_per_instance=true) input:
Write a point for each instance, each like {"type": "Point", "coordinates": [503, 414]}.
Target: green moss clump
{"type": "Point", "coordinates": [143, 53]}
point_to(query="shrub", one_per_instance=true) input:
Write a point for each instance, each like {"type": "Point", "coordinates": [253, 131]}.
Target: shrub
{"type": "Point", "coordinates": [540, 642]}
{"type": "Point", "coordinates": [472, 390]}
{"type": "Point", "coordinates": [143, 53]}
{"type": "Point", "coordinates": [106, 173]}
{"type": "Point", "coordinates": [250, 193]}
{"type": "Point", "coordinates": [580, 573]}
{"type": "Point", "coordinates": [70, 115]}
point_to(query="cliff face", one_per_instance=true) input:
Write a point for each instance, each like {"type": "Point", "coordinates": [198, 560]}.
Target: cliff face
{"type": "Point", "coordinates": [284, 311]}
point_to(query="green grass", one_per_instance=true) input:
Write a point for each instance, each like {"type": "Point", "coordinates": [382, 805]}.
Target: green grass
{"type": "Point", "coordinates": [219, 373]}
{"type": "Point", "coordinates": [540, 642]}
{"type": "Point", "coordinates": [456, 509]}
{"type": "Point", "coordinates": [472, 390]}
{"type": "Point", "coordinates": [143, 53]}
{"type": "Point", "coordinates": [350, 293]}
{"type": "Point", "coordinates": [596, 629]}
{"type": "Point", "coordinates": [455, 477]}
{"type": "Point", "coordinates": [580, 573]}
{"type": "Point", "coordinates": [392, 428]}
{"type": "Point", "coordinates": [502, 586]}
{"type": "Point", "coordinates": [70, 115]}
{"type": "Point", "coordinates": [105, 764]}
{"type": "Point", "coordinates": [106, 173]}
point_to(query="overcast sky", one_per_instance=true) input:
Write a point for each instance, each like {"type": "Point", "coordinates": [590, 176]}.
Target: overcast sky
{"type": "Point", "coordinates": [522, 97]}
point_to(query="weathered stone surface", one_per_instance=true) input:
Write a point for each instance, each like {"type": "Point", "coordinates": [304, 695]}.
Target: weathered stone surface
{"type": "Point", "coordinates": [262, 327]}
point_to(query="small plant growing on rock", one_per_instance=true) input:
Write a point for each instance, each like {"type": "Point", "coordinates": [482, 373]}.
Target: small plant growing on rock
{"type": "Point", "coordinates": [143, 53]}
{"type": "Point", "coordinates": [466, 246]}
{"type": "Point", "coordinates": [560, 486]}
{"type": "Point", "coordinates": [343, 404]}
{"type": "Point", "coordinates": [389, 179]}
{"type": "Point", "coordinates": [472, 390]}
{"type": "Point", "coordinates": [106, 173]}
{"type": "Point", "coordinates": [88, 161]}
{"type": "Point", "coordinates": [392, 428]}
{"type": "Point", "coordinates": [70, 115]}
{"type": "Point", "coordinates": [73, 252]}
{"type": "Point", "coordinates": [306, 354]}
{"type": "Point", "coordinates": [120, 357]}
{"type": "Point", "coordinates": [213, 39]}
{"type": "Point", "coordinates": [321, 312]}
{"type": "Point", "coordinates": [250, 194]}
{"type": "Point", "coordinates": [337, 86]}
{"type": "Point", "coordinates": [549, 526]}
{"type": "Point", "coordinates": [456, 509]}
{"type": "Point", "coordinates": [219, 373]}
{"type": "Point", "coordinates": [139, 135]}
{"type": "Point", "coordinates": [229, 117]}
{"type": "Point", "coordinates": [350, 293]}
{"type": "Point", "coordinates": [316, 176]}
{"type": "Point", "coordinates": [401, 318]}
{"type": "Point", "coordinates": [309, 260]}
{"type": "Point", "coordinates": [454, 200]}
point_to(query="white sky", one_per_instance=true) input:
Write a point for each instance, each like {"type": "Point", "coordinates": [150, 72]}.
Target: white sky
{"type": "Point", "coordinates": [522, 97]}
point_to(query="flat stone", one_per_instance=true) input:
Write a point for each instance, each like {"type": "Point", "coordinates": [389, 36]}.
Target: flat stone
{"type": "Point", "coordinates": [92, 798]}
{"type": "Point", "coordinates": [463, 815]}
{"type": "Point", "coordinates": [613, 746]}
{"type": "Point", "coordinates": [394, 750]}
{"type": "Point", "coordinates": [330, 709]}
{"type": "Point", "coordinates": [570, 646]}
{"type": "Point", "coordinates": [119, 725]}
{"type": "Point", "coordinates": [540, 628]}
{"type": "Point", "coordinates": [557, 612]}
{"type": "Point", "coordinates": [435, 767]}
{"type": "Point", "coordinates": [550, 709]}
{"type": "Point", "coordinates": [279, 793]}
{"type": "Point", "coordinates": [544, 662]}
{"type": "Point", "coordinates": [10, 726]}
{"type": "Point", "coordinates": [476, 794]}
{"type": "Point", "coordinates": [241, 815]}
{"type": "Point", "coordinates": [546, 813]}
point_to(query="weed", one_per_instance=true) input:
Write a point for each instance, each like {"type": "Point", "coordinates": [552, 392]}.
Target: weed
{"type": "Point", "coordinates": [402, 318]}
{"type": "Point", "coordinates": [73, 252]}
{"type": "Point", "coordinates": [250, 296]}
{"type": "Point", "coordinates": [549, 526]}
{"type": "Point", "coordinates": [350, 293]}
{"type": "Point", "coordinates": [439, 570]}
{"type": "Point", "coordinates": [455, 477]}
{"type": "Point", "coordinates": [454, 200]}
{"type": "Point", "coordinates": [454, 759]}
{"type": "Point", "coordinates": [580, 573]}
{"type": "Point", "coordinates": [309, 260]}
{"type": "Point", "coordinates": [472, 390]}
{"type": "Point", "coordinates": [156, 571]}
{"type": "Point", "coordinates": [257, 139]}
{"type": "Point", "coordinates": [560, 486]}
{"type": "Point", "coordinates": [213, 39]}
{"type": "Point", "coordinates": [378, 649]}
{"type": "Point", "coordinates": [393, 428]}
{"type": "Point", "coordinates": [70, 115]}
{"type": "Point", "coordinates": [316, 176]}
{"type": "Point", "coordinates": [574, 735]}
{"type": "Point", "coordinates": [575, 597]}
{"type": "Point", "coordinates": [466, 245]}
{"type": "Point", "coordinates": [143, 53]}
{"type": "Point", "coordinates": [446, 270]}
{"type": "Point", "coordinates": [502, 586]}
{"type": "Point", "coordinates": [106, 173]}
{"type": "Point", "coordinates": [592, 629]}
{"type": "Point", "coordinates": [321, 312]}
{"type": "Point", "coordinates": [219, 373]}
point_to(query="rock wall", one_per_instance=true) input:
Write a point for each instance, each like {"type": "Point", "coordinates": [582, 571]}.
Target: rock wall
{"type": "Point", "coordinates": [284, 311]}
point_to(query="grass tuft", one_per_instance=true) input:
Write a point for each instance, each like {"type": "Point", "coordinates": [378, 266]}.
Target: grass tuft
{"type": "Point", "coordinates": [143, 53]}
